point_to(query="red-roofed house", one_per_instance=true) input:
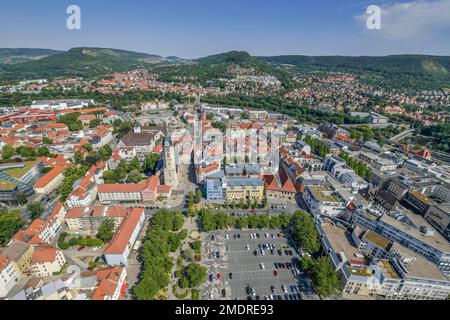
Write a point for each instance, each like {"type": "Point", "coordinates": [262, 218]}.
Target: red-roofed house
{"type": "Point", "coordinates": [280, 190]}
{"type": "Point", "coordinates": [50, 181]}
{"type": "Point", "coordinates": [116, 254]}
{"type": "Point", "coordinates": [91, 218]}
{"type": "Point", "coordinates": [43, 230]}
{"type": "Point", "coordinates": [129, 193]}
{"type": "Point", "coordinates": [46, 260]}
{"type": "Point", "coordinates": [83, 194]}
{"type": "Point", "coordinates": [110, 283]}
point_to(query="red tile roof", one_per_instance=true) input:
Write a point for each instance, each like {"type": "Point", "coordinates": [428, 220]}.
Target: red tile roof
{"type": "Point", "coordinates": [120, 240]}
{"type": "Point", "coordinates": [4, 261]}
{"type": "Point", "coordinates": [108, 282]}
{"type": "Point", "coordinates": [43, 253]}
{"type": "Point", "coordinates": [49, 176]}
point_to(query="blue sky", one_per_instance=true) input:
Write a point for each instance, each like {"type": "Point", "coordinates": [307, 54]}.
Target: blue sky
{"type": "Point", "coordinates": [194, 28]}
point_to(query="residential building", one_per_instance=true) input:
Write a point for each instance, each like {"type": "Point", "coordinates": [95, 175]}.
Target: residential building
{"type": "Point", "coordinates": [116, 254]}
{"type": "Point", "coordinates": [46, 260]}
{"type": "Point", "coordinates": [20, 254]}
{"type": "Point", "coordinates": [142, 193]}
{"type": "Point", "coordinates": [322, 199]}
{"type": "Point", "coordinates": [88, 219]}
{"type": "Point", "coordinates": [8, 275]}
{"type": "Point", "coordinates": [84, 193]}
{"type": "Point", "coordinates": [237, 188]}
{"type": "Point", "coordinates": [50, 181]}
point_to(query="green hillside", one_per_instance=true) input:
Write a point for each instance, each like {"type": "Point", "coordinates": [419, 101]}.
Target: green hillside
{"type": "Point", "coordinates": [12, 56]}
{"type": "Point", "coordinates": [83, 62]}
{"type": "Point", "coordinates": [415, 71]}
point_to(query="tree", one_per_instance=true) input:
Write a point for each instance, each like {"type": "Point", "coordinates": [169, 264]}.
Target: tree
{"type": "Point", "coordinates": [305, 232]}
{"type": "Point", "coordinates": [198, 196]}
{"type": "Point", "coordinates": [10, 223]}
{"type": "Point", "coordinates": [150, 163]}
{"type": "Point", "coordinates": [35, 210]}
{"type": "Point", "coordinates": [195, 274]}
{"type": "Point", "coordinates": [174, 242]}
{"type": "Point", "coordinates": [106, 230]}
{"type": "Point", "coordinates": [134, 165]}
{"type": "Point", "coordinates": [43, 152]}
{"type": "Point", "coordinates": [264, 202]}
{"type": "Point", "coordinates": [8, 152]}
{"type": "Point", "coordinates": [134, 176]}
{"type": "Point", "coordinates": [22, 199]}
{"type": "Point", "coordinates": [105, 152]}
{"type": "Point", "coordinates": [47, 141]}
{"type": "Point", "coordinates": [326, 281]}
{"type": "Point", "coordinates": [25, 152]}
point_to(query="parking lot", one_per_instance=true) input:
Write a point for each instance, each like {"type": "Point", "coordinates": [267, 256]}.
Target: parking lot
{"type": "Point", "coordinates": [253, 275]}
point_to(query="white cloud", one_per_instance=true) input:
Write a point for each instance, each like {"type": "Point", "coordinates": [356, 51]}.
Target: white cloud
{"type": "Point", "coordinates": [411, 20]}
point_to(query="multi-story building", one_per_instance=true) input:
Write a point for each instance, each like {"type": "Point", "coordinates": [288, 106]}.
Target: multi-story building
{"type": "Point", "coordinates": [116, 254]}
{"type": "Point", "coordinates": [18, 178]}
{"type": "Point", "coordinates": [90, 218]}
{"type": "Point", "coordinates": [50, 181]}
{"type": "Point", "coordinates": [321, 199]}
{"type": "Point", "coordinates": [83, 194]}
{"type": "Point", "coordinates": [8, 275]}
{"type": "Point", "coordinates": [280, 189]}
{"type": "Point", "coordinates": [237, 188]}
{"type": "Point", "coordinates": [139, 193]}
{"type": "Point", "coordinates": [43, 230]}
{"type": "Point", "coordinates": [438, 215]}
{"type": "Point", "coordinates": [46, 260]}
{"type": "Point", "coordinates": [409, 276]}
{"type": "Point", "coordinates": [412, 231]}
{"type": "Point", "coordinates": [20, 254]}
{"type": "Point", "coordinates": [214, 189]}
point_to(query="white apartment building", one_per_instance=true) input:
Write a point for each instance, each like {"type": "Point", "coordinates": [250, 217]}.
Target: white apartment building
{"type": "Point", "coordinates": [8, 275]}
{"type": "Point", "coordinates": [322, 200]}
{"type": "Point", "coordinates": [46, 260]}
{"type": "Point", "coordinates": [116, 254]}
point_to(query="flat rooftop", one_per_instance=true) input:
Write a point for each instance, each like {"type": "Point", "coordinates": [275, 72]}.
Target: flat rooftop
{"type": "Point", "coordinates": [323, 194]}
{"type": "Point", "coordinates": [377, 239]}
{"type": "Point", "coordinates": [436, 240]}
{"type": "Point", "coordinates": [341, 241]}
{"type": "Point", "coordinates": [419, 266]}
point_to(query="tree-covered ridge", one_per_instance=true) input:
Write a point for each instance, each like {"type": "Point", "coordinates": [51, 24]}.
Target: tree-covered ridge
{"type": "Point", "coordinates": [82, 62]}
{"type": "Point", "coordinates": [17, 55]}
{"type": "Point", "coordinates": [414, 71]}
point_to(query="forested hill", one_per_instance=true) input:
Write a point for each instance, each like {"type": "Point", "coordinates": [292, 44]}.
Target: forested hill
{"type": "Point", "coordinates": [421, 71]}
{"type": "Point", "coordinates": [12, 56]}
{"type": "Point", "coordinates": [79, 62]}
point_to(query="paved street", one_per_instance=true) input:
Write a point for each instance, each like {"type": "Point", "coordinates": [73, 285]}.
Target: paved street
{"type": "Point", "coordinates": [245, 266]}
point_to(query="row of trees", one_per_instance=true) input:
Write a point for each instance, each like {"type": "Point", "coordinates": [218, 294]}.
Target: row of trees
{"type": "Point", "coordinates": [318, 147]}
{"type": "Point", "coordinates": [27, 153]}
{"type": "Point", "coordinates": [211, 220]}
{"type": "Point", "coordinates": [156, 261]}
{"type": "Point", "coordinates": [359, 166]}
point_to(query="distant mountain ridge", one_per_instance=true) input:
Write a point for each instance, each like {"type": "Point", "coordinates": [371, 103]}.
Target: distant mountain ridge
{"type": "Point", "coordinates": [404, 70]}
{"type": "Point", "coordinates": [17, 55]}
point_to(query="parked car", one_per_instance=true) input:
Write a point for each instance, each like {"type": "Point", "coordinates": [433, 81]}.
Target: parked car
{"type": "Point", "coordinates": [230, 275]}
{"type": "Point", "coordinates": [224, 293]}
{"type": "Point", "coordinates": [275, 273]}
